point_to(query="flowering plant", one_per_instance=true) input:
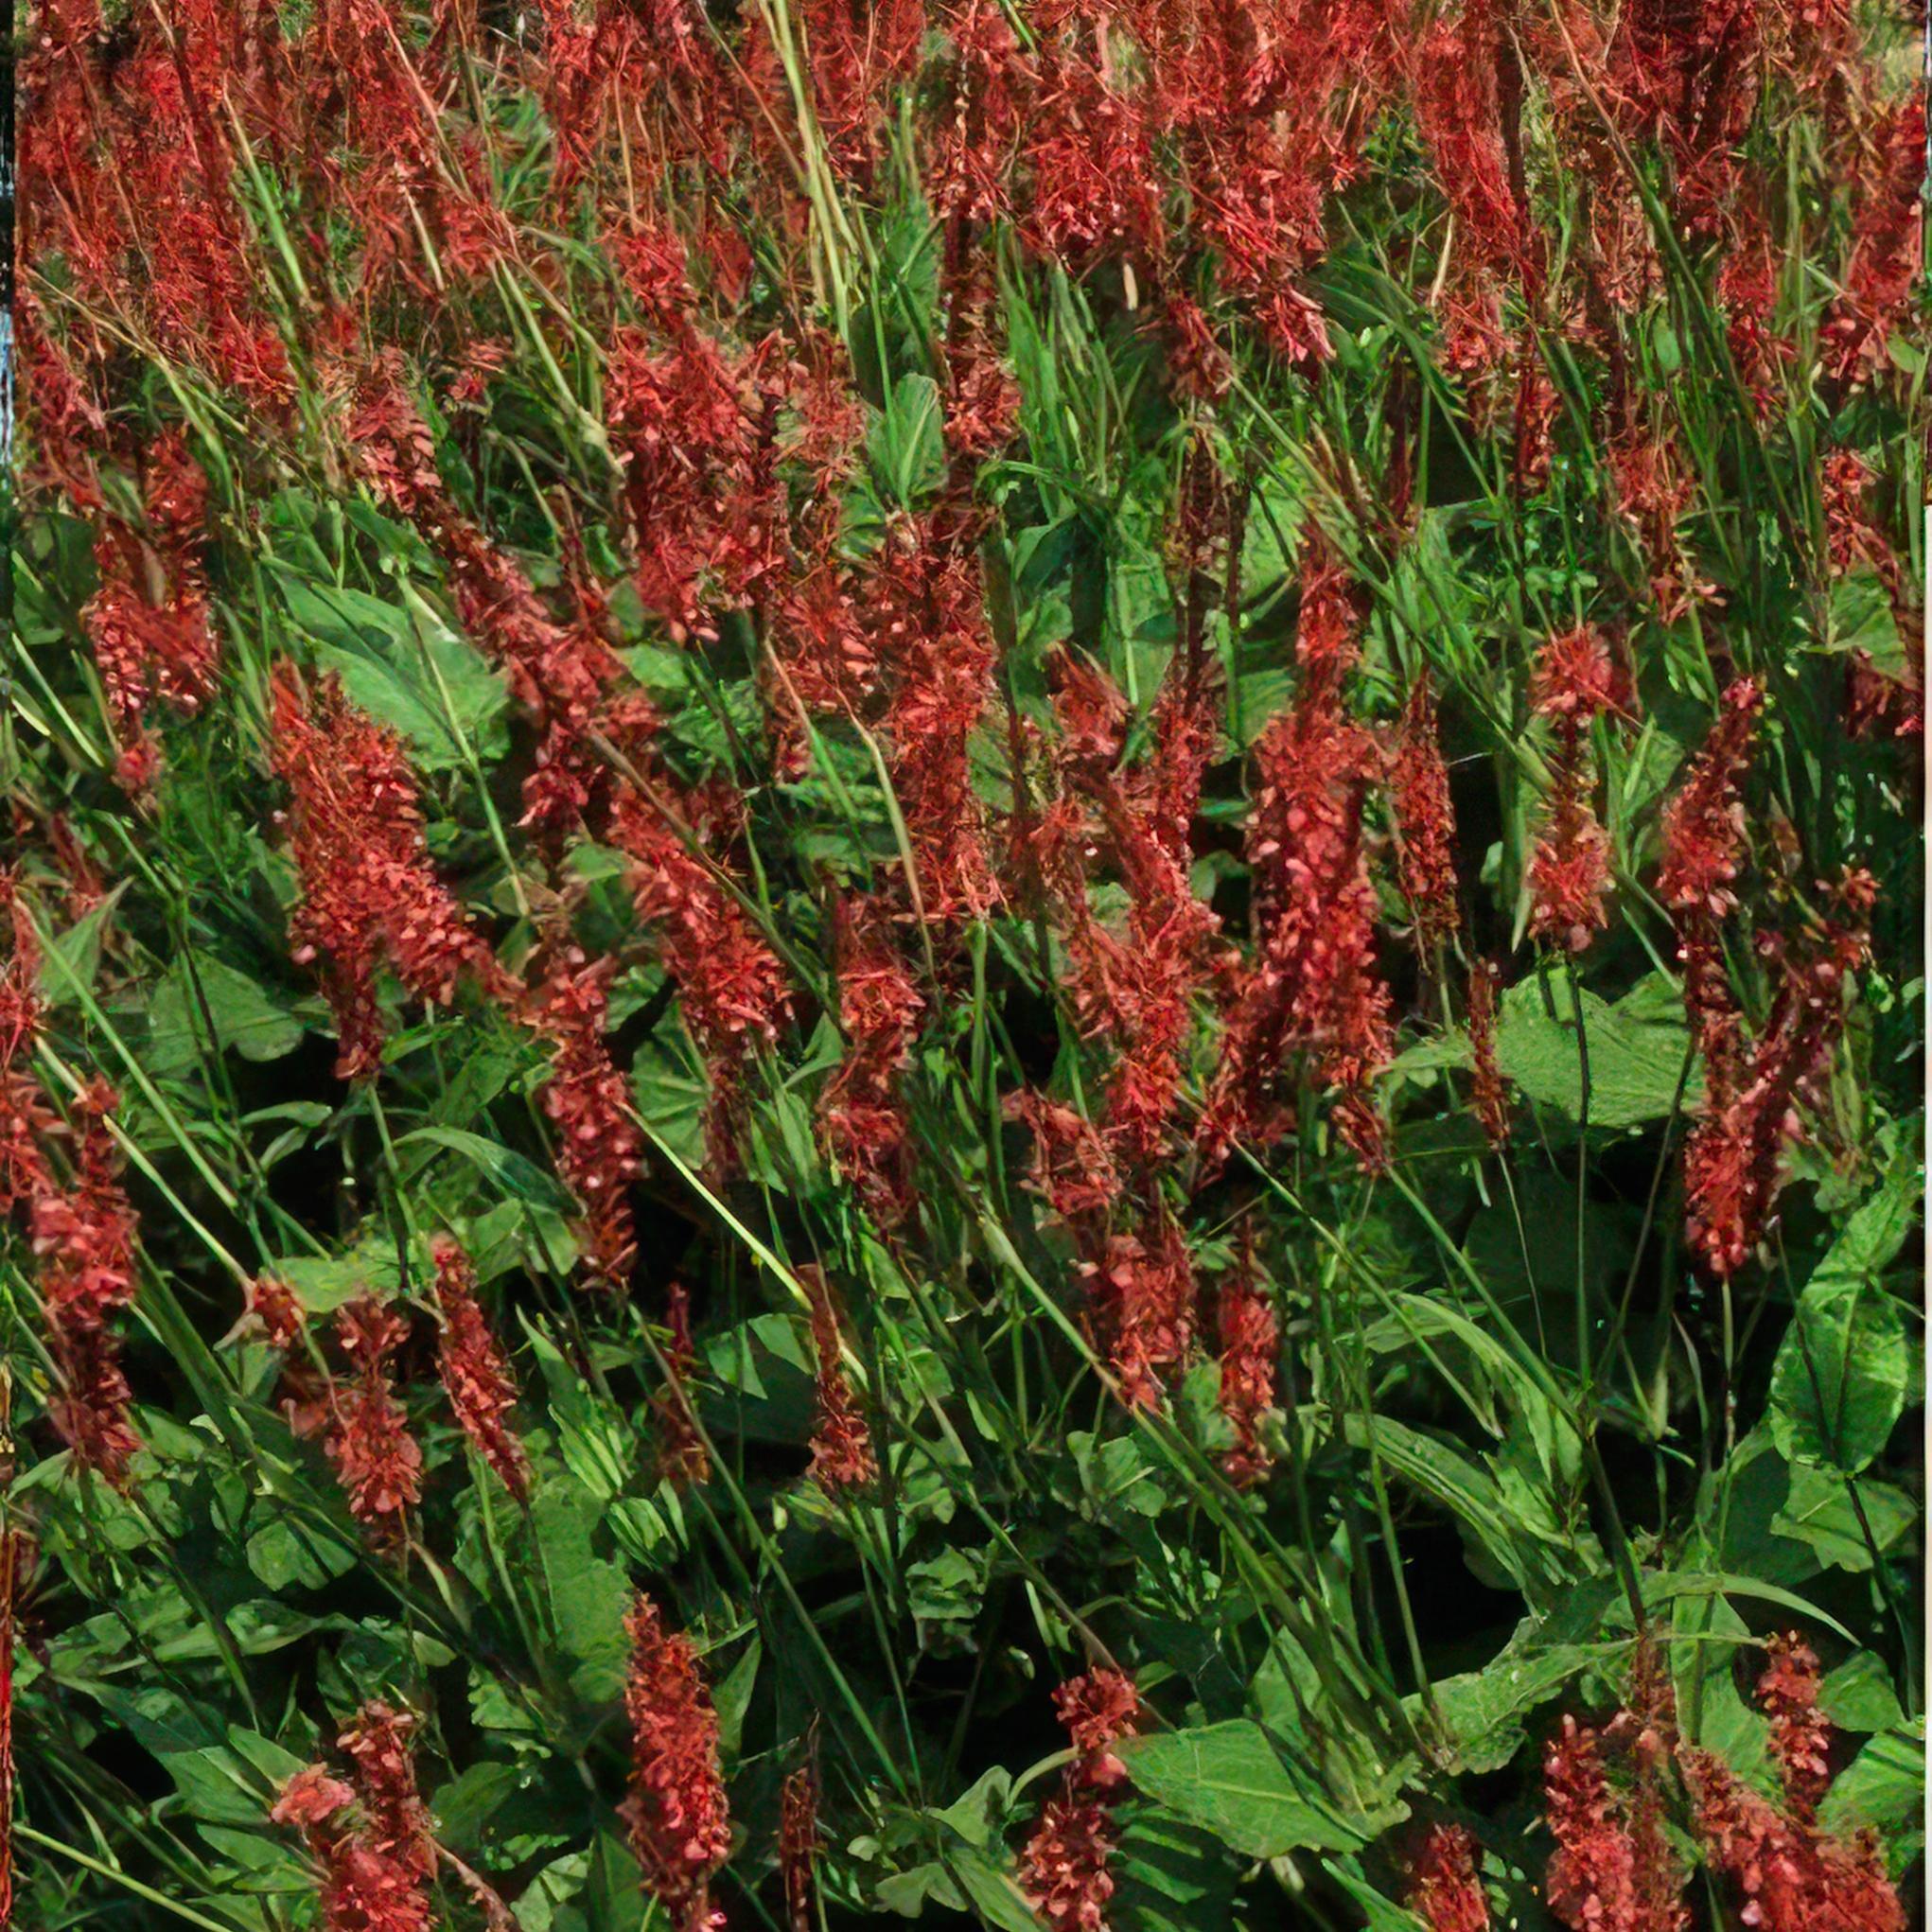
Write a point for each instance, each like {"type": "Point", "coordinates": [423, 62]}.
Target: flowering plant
{"type": "Point", "coordinates": [960, 961]}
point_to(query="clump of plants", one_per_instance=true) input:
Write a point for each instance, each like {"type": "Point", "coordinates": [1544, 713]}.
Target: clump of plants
{"type": "Point", "coordinates": [961, 962]}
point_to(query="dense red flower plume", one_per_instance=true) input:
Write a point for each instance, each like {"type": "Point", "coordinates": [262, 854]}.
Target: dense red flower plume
{"type": "Point", "coordinates": [1065, 1863]}
{"type": "Point", "coordinates": [1140, 1302]}
{"type": "Point", "coordinates": [1733, 1157]}
{"type": "Point", "coordinates": [861, 1117]}
{"type": "Point", "coordinates": [679, 1827]}
{"type": "Point", "coordinates": [842, 1454]}
{"type": "Point", "coordinates": [1703, 851]}
{"type": "Point", "coordinates": [730, 984]}
{"type": "Point", "coordinates": [1314, 988]}
{"type": "Point", "coordinates": [85, 1235]}
{"type": "Point", "coordinates": [1569, 870]}
{"type": "Point", "coordinates": [588, 1100]}
{"type": "Point", "coordinates": [1250, 1333]}
{"type": "Point", "coordinates": [798, 1845]}
{"type": "Point", "coordinates": [679, 1455]}
{"type": "Point", "coordinates": [1425, 821]}
{"type": "Point", "coordinates": [475, 1375]}
{"type": "Point", "coordinates": [1443, 1890]}
{"type": "Point", "coordinates": [370, 897]}
{"type": "Point", "coordinates": [1800, 1734]}
{"type": "Point", "coordinates": [375, 1868]}
{"type": "Point", "coordinates": [376, 1460]}
{"type": "Point", "coordinates": [1591, 1884]}
{"type": "Point", "coordinates": [1488, 1096]}
{"type": "Point", "coordinates": [1786, 1875]}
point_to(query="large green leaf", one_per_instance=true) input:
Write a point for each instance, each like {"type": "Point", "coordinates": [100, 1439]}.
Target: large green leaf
{"type": "Point", "coordinates": [1883, 1790]}
{"type": "Point", "coordinates": [1636, 1051]}
{"type": "Point", "coordinates": [246, 1017]}
{"type": "Point", "coordinates": [1838, 1384]}
{"type": "Point", "coordinates": [1230, 1781]}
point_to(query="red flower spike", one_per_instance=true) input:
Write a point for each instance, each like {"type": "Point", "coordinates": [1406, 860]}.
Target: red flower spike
{"type": "Point", "coordinates": [1064, 1867]}
{"type": "Point", "coordinates": [1488, 1096]}
{"type": "Point", "coordinates": [374, 1870]}
{"type": "Point", "coordinates": [1704, 823]}
{"type": "Point", "coordinates": [370, 897]}
{"type": "Point", "coordinates": [477, 1377]}
{"type": "Point", "coordinates": [1443, 1890]}
{"type": "Point", "coordinates": [1591, 1884]}
{"type": "Point", "coordinates": [798, 1845]}
{"type": "Point", "coordinates": [1786, 1875]}
{"type": "Point", "coordinates": [588, 1100]}
{"type": "Point", "coordinates": [1732, 1158]}
{"type": "Point", "coordinates": [1250, 1364]}
{"type": "Point", "coordinates": [680, 1456]}
{"type": "Point", "coordinates": [1314, 991]}
{"type": "Point", "coordinates": [861, 1118]}
{"type": "Point", "coordinates": [680, 1828]}
{"type": "Point", "coordinates": [1800, 1734]}
{"type": "Point", "coordinates": [1099, 1710]}
{"type": "Point", "coordinates": [1569, 870]}
{"type": "Point", "coordinates": [376, 1460]}
{"type": "Point", "coordinates": [842, 1454]}
{"type": "Point", "coordinates": [1425, 821]}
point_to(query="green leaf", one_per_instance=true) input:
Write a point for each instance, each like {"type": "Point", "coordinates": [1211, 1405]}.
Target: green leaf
{"type": "Point", "coordinates": [1818, 1511]}
{"type": "Point", "coordinates": [907, 450]}
{"type": "Point", "coordinates": [588, 1596]}
{"type": "Point", "coordinates": [246, 1016]}
{"type": "Point", "coordinates": [1883, 1790]}
{"type": "Point", "coordinates": [72, 960]}
{"type": "Point", "coordinates": [1838, 1384]}
{"type": "Point", "coordinates": [1230, 1781]}
{"type": "Point", "coordinates": [399, 676]}
{"type": "Point", "coordinates": [1484, 1708]}
{"type": "Point", "coordinates": [1858, 1695]}
{"type": "Point", "coordinates": [672, 1090]}
{"type": "Point", "coordinates": [519, 1178]}
{"type": "Point", "coordinates": [1169, 1876]}
{"type": "Point", "coordinates": [1637, 1050]}
{"type": "Point", "coordinates": [1862, 619]}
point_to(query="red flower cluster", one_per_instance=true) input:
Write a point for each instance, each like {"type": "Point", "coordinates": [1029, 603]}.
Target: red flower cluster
{"type": "Point", "coordinates": [369, 895]}
{"type": "Point", "coordinates": [1787, 1876]}
{"type": "Point", "coordinates": [588, 1100]}
{"type": "Point", "coordinates": [680, 1456]}
{"type": "Point", "coordinates": [477, 1377]}
{"type": "Point", "coordinates": [1800, 1734]}
{"type": "Point", "coordinates": [1488, 1096]}
{"type": "Point", "coordinates": [680, 1828]}
{"type": "Point", "coordinates": [1703, 851]}
{"type": "Point", "coordinates": [1569, 870]}
{"type": "Point", "coordinates": [375, 1869]}
{"type": "Point", "coordinates": [1425, 821]}
{"type": "Point", "coordinates": [798, 1845]}
{"type": "Point", "coordinates": [1063, 1865]}
{"type": "Point", "coordinates": [861, 1117]}
{"type": "Point", "coordinates": [1732, 1160]}
{"type": "Point", "coordinates": [1250, 1365]}
{"type": "Point", "coordinates": [83, 1236]}
{"type": "Point", "coordinates": [1140, 1301]}
{"type": "Point", "coordinates": [842, 1454]}
{"type": "Point", "coordinates": [148, 621]}
{"type": "Point", "coordinates": [1315, 990]}
{"type": "Point", "coordinates": [731, 985]}
{"type": "Point", "coordinates": [1612, 1869]}
{"type": "Point", "coordinates": [376, 1460]}
{"type": "Point", "coordinates": [1444, 1891]}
